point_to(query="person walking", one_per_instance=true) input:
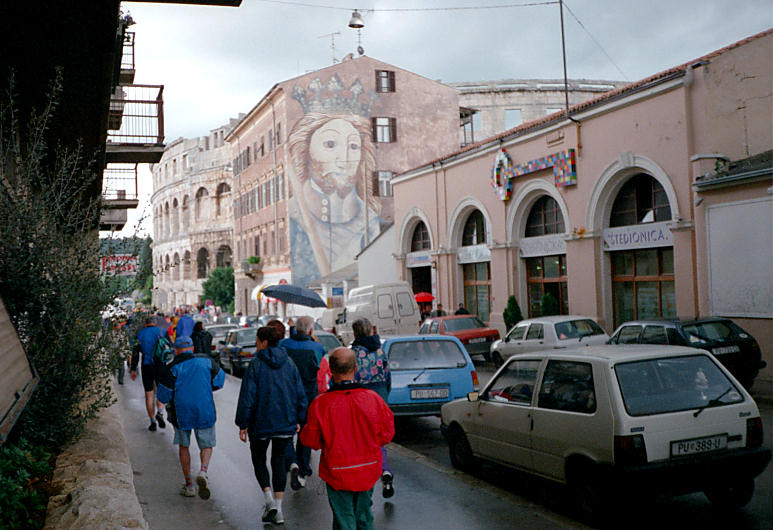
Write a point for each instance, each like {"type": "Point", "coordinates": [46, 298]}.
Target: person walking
{"type": "Point", "coordinates": [271, 407]}
{"type": "Point", "coordinates": [439, 312]}
{"type": "Point", "coordinates": [185, 325]}
{"type": "Point", "coordinates": [462, 310]}
{"type": "Point", "coordinates": [147, 338]}
{"type": "Point", "coordinates": [373, 373]}
{"type": "Point", "coordinates": [306, 353]}
{"type": "Point", "coordinates": [202, 339]}
{"type": "Point", "coordinates": [350, 424]}
{"type": "Point", "coordinates": [187, 384]}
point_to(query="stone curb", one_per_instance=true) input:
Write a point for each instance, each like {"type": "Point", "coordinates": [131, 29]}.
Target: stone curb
{"type": "Point", "coordinates": [96, 479]}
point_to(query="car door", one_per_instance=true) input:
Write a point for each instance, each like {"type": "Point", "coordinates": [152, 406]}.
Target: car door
{"type": "Point", "coordinates": [385, 313]}
{"type": "Point", "coordinates": [501, 423]}
{"type": "Point", "coordinates": [534, 340]}
{"type": "Point", "coordinates": [627, 335]}
{"type": "Point", "coordinates": [654, 334]}
{"type": "Point", "coordinates": [509, 345]}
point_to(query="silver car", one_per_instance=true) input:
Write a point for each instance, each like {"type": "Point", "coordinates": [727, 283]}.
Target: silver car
{"type": "Point", "coordinates": [546, 333]}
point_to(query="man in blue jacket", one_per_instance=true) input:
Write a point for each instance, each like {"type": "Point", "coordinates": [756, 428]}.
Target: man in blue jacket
{"type": "Point", "coordinates": [147, 338]}
{"type": "Point", "coordinates": [187, 385]}
{"type": "Point", "coordinates": [184, 326]}
{"type": "Point", "coordinates": [306, 354]}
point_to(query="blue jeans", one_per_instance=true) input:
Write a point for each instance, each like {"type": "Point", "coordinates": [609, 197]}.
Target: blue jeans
{"type": "Point", "coordinates": [352, 510]}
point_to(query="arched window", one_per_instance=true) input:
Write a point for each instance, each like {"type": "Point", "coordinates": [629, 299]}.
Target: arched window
{"type": "Point", "coordinates": [223, 256]}
{"type": "Point", "coordinates": [545, 218]}
{"type": "Point", "coordinates": [641, 200]}
{"type": "Point", "coordinates": [201, 194]}
{"type": "Point", "coordinates": [187, 266]}
{"type": "Point", "coordinates": [175, 217]}
{"type": "Point", "coordinates": [176, 267]}
{"type": "Point", "coordinates": [186, 214]}
{"type": "Point", "coordinates": [222, 190]}
{"type": "Point", "coordinates": [166, 220]}
{"type": "Point", "coordinates": [474, 229]}
{"type": "Point", "coordinates": [202, 264]}
{"type": "Point", "coordinates": [420, 239]}
{"type": "Point", "coordinates": [166, 268]}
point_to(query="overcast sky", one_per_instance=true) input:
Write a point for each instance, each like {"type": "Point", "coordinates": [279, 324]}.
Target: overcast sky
{"type": "Point", "coordinates": [216, 62]}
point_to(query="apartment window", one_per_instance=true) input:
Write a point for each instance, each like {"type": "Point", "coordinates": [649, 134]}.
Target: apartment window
{"type": "Point", "coordinates": [257, 245]}
{"type": "Point", "coordinates": [247, 158]}
{"type": "Point", "coordinates": [262, 146]}
{"type": "Point", "coordinates": [281, 186]}
{"type": "Point", "coordinates": [273, 244]}
{"type": "Point", "coordinates": [513, 118]}
{"type": "Point", "coordinates": [272, 190]}
{"type": "Point", "coordinates": [270, 140]}
{"type": "Point", "coordinates": [278, 133]}
{"type": "Point", "coordinates": [384, 130]}
{"type": "Point", "coordinates": [385, 81]}
{"type": "Point", "coordinates": [257, 197]}
{"type": "Point", "coordinates": [383, 184]}
{"type": "Point", "coordinates": [265, 245]}
{"type": "Point", "coordinates": [255, 151]}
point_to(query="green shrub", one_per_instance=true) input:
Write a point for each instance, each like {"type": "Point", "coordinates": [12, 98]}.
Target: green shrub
{"type": "Point", "coordinates": [253, 260]}
{"type": "Point", "coordinates": [24, 471]}
{"type": "Point", "coordinates": [548, 305]}
{"type": "Point", "coordinates": [512, 313]}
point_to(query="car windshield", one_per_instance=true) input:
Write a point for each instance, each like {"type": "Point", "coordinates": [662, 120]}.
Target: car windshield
{"type": "Point", "coordinates": [710, 330]}
{"type": "Point", "coordinates": [425, 354]}
{"type": "Point", "coordinates": [671, 384]}
{"type": "Point", "coordinates": [459, 324]}
{"type": "Point", "coordinates": [573, 329]}
{"type": "Point", "coordinates": [328, 342]}
{"type": "Point", "coordinates": [248, 335]}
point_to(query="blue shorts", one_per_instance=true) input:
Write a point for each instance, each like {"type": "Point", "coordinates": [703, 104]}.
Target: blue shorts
{"type": "Point", "coordinates": [204, 437]}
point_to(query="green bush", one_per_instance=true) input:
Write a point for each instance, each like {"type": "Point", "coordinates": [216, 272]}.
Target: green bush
{"type": "Point", "coordinates": [512, 313]}
{"type": "Point", "coordinates": [23, 496]}
{"type": "Point", "coordinates": [548, 305]}
{"type": "Point", "coordinates": [253, 260]}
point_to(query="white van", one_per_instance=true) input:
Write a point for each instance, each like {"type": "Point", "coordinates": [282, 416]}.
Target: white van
{"type": "Point", "coordinates": [389, 306]}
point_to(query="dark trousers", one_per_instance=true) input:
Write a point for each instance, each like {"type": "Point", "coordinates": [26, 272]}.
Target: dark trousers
{"type": "Point", "coordinates": [352, 510]}
{"type": "Point", "coordinates": [258, 449]}
{"type": "Point", "coordinates": [301, 454]}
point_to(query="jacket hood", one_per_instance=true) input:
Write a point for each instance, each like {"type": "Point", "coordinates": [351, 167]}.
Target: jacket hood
{"type": "Point", "coordinates": [299, 337]}
{"type": "Point", "coordinates": [273, 356]}
{"type": "Point", "coordinates": [371, 342]}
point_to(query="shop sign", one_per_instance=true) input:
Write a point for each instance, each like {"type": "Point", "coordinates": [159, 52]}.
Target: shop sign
{"type": "Point", "coordinates": [473, 254]}
{"type": "Point", "coordinates": [338, 291]}
{"type": "Point", "coordinates": [119, 265]}
{"type": "Point", "coordinates": [637, 236]}
{"type": "Point", "coordinates": [564, 164]}
{"type": "Point", "coordinates": [418, 259]}
{"type": "Point", "coordinates": [531, 247]}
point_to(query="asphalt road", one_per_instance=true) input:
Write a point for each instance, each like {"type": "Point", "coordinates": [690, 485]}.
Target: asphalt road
{"type": "Point", "coordinates": [687, 511]}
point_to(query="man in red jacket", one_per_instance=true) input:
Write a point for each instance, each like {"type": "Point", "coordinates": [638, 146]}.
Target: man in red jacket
{"type": "Point", "coordinates": [350, 424]}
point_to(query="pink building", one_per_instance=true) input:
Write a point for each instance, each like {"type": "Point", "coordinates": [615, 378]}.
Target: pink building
{"type": "Point", "coordinates": [653, 200]}
{"type": "Point", "coordinates": [313, 166]}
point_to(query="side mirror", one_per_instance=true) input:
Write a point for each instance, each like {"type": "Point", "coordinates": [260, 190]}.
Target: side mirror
{"type": "Point", "coordinates": [222, 342]}
{"type": "Point", "coordinates": [506, 339]}
{"type": "Point", "coordinates": [472, 397]}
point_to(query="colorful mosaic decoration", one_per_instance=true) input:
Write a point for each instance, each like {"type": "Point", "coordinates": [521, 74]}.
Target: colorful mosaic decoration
{"type": "Point", "coordinates": [564, 164]}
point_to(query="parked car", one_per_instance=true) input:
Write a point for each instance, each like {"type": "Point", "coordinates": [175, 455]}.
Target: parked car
{"type": "Point", "coordinates": [734, 347]}
{"type": "Point", "coordinates": [544, 333]}
{"type": "Point", "coordinates": [427, 371]}
{"type": "Point", "coordinates": [238, 349]}
{"type": "Point", "coordinates": [218, 331]}
{"type": "Point", "coordinates": [615, 423]}
{"type": "Point", "coordinates": [474, 334]}
{"type": "Point", "coordinates": [249, 321]}
{"type": "Point", "coordinates": [328, 340]}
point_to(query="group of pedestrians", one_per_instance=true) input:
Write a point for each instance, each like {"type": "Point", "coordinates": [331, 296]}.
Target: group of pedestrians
{"type": "Point", "coordinates": [340, 409]}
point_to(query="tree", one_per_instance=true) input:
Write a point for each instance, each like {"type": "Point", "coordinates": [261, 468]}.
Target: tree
{"type": "Point", "coordinates": [548, 305]}
{"type": "Point", "coordinates": [219, 286]}
{"type": "Point", "coordinates": [512, 313]}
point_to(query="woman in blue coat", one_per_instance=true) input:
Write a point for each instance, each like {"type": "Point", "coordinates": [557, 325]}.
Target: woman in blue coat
{"type": "Point", "coordinates": [272, 406]}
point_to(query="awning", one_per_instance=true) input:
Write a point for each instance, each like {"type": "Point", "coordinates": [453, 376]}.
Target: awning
{"type": "Point", "coordinates": [256, 293]}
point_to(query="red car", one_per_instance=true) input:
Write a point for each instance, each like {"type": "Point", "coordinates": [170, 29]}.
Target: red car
{"type": "Point", "coordinates": [469, 329]}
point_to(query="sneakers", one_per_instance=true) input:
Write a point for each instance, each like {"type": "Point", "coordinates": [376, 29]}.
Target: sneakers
{"type": "Point", "coordinates": [386, 481]}
{"type": "Point", "coordinates": [269, 512]}
{"type": "Point", "coordinates": [203, 484]}
{"type": "Point", "coordinates": [188, 490]}
{"type": "Point", "coordinates": [278, 517]}
{"type": "Point", "coordinates": [296, 480]}
{"type": "Point", "coordinates": [152, 426]}
{"type": "Point", "coordinates": [160, 419]}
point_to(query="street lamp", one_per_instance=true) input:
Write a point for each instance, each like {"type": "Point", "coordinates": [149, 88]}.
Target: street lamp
{"type": "Point", "coordinates": [356, 21]}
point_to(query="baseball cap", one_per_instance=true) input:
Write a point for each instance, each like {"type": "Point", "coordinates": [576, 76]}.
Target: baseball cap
{"type": "Point", "coordinates": [183, 342]}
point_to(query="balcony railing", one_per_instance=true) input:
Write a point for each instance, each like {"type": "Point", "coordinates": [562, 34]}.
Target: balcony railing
{"type": "Point", "coordinates": [136, 115]}
{"type": "Point", "coordinates": [127, 59]}
{"type": "Point", "coordinates": [119, 182]}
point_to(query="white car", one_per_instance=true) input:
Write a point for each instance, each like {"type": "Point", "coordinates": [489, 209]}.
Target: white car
{"type": "Point", "coordinates": [545, 333]}
{"type": "Point", "coordinates": [615, 423]}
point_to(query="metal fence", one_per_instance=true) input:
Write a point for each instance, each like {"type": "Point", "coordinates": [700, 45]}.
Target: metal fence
{"type": "Point", "coordinates": [127, 56]}
{"type": "Point", "coordinates": [136, 115]}
{"type": "Point", "coordinates": [119, 182]}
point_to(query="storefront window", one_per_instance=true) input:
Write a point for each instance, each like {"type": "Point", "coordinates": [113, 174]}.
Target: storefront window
{"type": "Point", "coordinates": [641, 200]}
{"type": "Point", "coordinates": [547, 274]}
{"type": "Point", "coordinates": [649, 291]}
{"type": "Point", "coordinates": [477, 289]}
{"type": "Point", "coordinates": [545, 218]}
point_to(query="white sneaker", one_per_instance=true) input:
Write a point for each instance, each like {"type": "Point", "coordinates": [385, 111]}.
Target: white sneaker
{"type": "Point", "coordinates": [188, 490]}
{"type": "Point", "coordinates": [278, 517]}
{"type": "Point", "coordinates": [203, 483]}
{"type": "Point", "coordinates": [269, 512]}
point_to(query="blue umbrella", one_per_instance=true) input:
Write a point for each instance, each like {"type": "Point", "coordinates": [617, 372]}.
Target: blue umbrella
{"type": "Point", "coordinates": [294, 294]}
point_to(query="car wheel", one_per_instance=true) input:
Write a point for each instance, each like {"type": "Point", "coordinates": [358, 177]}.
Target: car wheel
{"type": "Point", "coordinates": [589, 495]}
{"type": "Point", "coordinates": [732, 495]}
{"type": "Point", "coordinates": [460, 451]}
{"type": "Point", "coordinates": [497, 358]}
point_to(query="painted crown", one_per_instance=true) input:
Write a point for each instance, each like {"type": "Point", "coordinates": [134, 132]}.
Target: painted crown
{"type": "Point", "coordinates": [334, 97]}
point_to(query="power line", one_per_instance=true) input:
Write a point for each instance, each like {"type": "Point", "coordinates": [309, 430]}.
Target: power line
{"type": "Point", "coordinates": [625, 77]}
{"type": "Point", "coordinates": [411, 9]}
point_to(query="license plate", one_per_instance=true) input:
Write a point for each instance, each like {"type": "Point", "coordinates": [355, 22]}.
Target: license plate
{"type": "Point", "coordinates": [699, 445]}
{"type": "Point", "coordinates": [480, 339]}
{"type": "Point", "coordinates": [725, 349]}
{"type": "Point", "coordinates": [429, 393]}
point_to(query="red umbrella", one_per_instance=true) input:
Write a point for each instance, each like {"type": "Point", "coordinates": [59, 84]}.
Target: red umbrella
{"type": "Point", "coordinates": [423, 297]}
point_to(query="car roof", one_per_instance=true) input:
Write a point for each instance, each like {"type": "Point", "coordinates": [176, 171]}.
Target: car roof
{"type": "Point", "coordinates": [554, 319]}
{"type": "Point", "coordinates": [617, 352]}
{"type": "Point", "coordinates": [415, 338]}
{"type": "Point", "coordinates": [452, 317]}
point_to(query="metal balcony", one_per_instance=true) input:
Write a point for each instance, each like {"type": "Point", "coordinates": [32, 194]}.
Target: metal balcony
{"type": "Point", "coordinates": [126, 76]}
{"type": "Point", "coordinates": [135, 124]}
{"type": "Point", "coordinates": [119, 193]}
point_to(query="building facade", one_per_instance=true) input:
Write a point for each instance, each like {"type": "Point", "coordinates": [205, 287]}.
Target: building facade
{"type": "Point", "coordinates": [313, 163]}
{"type": "Point", "coordinates": [653, 200]}
{"type": "Point", "coordinates": [192, 206]}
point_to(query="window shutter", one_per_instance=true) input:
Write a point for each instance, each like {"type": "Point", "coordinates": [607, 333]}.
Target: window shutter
{"type": "Point", "coordinates": [391, 80]}
{"type": "Point", "coordinates": [375, 184]}
{"type": "Point", "coordinates": [392, 129]}
{"type": "Point", "coordinates": [373, 129]}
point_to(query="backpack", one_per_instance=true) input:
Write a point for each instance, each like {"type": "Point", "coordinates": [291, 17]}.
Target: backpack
{"type": "Point", "coordinates": [163, 351]}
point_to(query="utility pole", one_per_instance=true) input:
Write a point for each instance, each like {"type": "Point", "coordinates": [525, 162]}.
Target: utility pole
{"type": "Point", "coordinates": [332, 43]}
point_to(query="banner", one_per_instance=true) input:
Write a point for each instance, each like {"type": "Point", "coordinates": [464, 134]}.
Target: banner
{"type": "Point", "coordinates": [119, 265]}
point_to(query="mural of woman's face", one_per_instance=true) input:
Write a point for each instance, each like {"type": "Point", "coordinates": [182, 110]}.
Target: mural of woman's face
{"type": "Point", "coordinates": [335, 152]}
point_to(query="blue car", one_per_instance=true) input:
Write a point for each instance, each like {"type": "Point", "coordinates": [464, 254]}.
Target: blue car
{"type": "Point", "coordinates": [427, 371]}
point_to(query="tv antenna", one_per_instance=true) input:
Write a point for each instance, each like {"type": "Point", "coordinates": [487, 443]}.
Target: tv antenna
{"type": "Point", "coordinates": [332, 43]}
